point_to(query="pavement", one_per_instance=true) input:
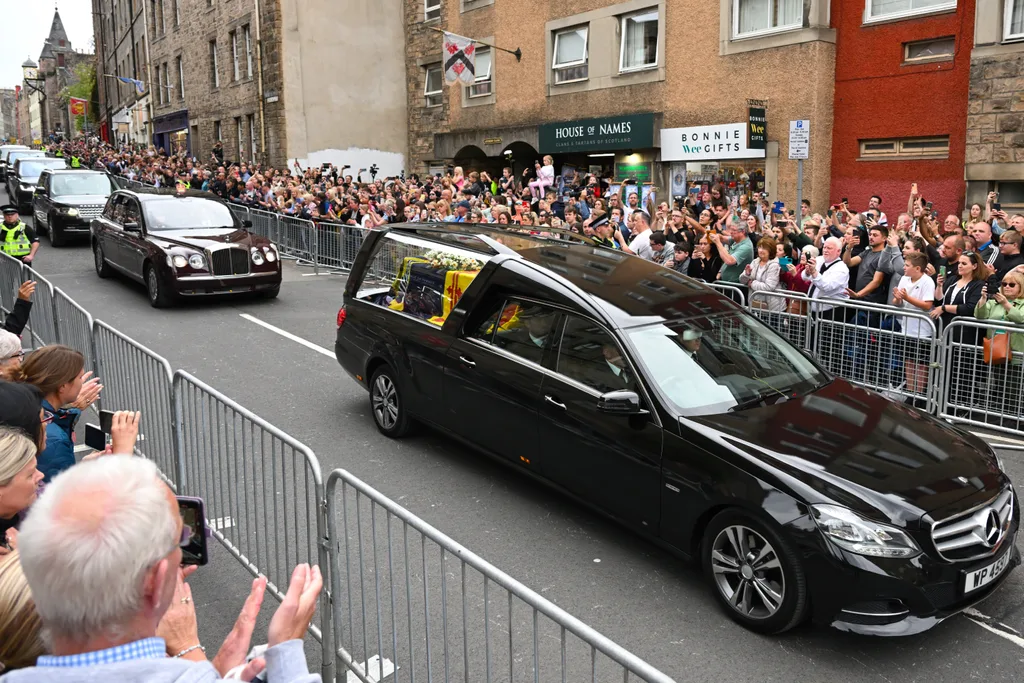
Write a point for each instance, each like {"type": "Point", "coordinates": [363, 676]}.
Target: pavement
{"type": "Point", "coordinates": [275, 357]}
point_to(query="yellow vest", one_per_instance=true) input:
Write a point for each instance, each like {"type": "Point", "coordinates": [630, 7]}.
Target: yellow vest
{"type": "Point", "coordinates": [15, 240]}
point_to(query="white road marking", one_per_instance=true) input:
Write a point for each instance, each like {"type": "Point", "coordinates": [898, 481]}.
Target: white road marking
{"type": "Point", "coordinates": [372, 668]}
{"type": "Point", "coordinates": [288, 335]}
{"type": "Point", "coordinates": [998, 438]}
{"type": "Point", "coordinates": [981, 620]}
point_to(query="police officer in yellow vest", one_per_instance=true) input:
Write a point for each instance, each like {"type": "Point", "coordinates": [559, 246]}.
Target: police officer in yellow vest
{"type": "Point", "coordinates": [75, 162]}
{"type": "Point", "coordinates": [16, 238]}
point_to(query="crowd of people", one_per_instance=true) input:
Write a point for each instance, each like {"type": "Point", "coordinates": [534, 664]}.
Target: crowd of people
{"type": "Point", "coordinates": [92, 585]}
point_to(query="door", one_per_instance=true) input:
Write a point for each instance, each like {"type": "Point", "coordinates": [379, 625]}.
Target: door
{"type": "Point", "coordinates": [132, 249]}
{"type": "Point", "coordinates": [109, 233]}
{"type": "Point", "coordinates": [493, 374]}
{"type": "Point", "coordinates": [41, 203]}
{"type": "Point", "coordinates": [612, 461]}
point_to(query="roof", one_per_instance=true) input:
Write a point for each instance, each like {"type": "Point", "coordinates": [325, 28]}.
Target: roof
{"type": "Point", "coordinates": [160, 193]}
{"type": "Point", "coordinates": [76, 171]}
{"type": "Point", "coordinates": [630, 290]}
{"type": "Point", "coordinates": [29, 63]}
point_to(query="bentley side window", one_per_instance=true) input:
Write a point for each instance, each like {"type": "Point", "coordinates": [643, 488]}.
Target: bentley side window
{"type": "Point", "coordinates": [589, 355]}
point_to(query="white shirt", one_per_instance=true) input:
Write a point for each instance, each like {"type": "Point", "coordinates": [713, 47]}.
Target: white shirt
{"type": "Point", "coordinates": [641, 245]}
{"type": "Point", "coordinates": [831, 284]}
{"type": "Point", "coordinates": [923, 290]}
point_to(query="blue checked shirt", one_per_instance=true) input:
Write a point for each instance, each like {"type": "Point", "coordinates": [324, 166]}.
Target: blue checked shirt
{"type": "Point", "coordinates": [147, 648]}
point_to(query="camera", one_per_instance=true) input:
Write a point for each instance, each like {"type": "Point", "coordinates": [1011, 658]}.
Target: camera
{"type": "Point", "coordinates": [373, 171]}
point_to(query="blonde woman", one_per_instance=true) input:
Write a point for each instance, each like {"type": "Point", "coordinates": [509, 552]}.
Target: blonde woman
{"type": "Point", "coordinates": [20, 639]}
{"type": "Point", "coordinates": [19, 481]}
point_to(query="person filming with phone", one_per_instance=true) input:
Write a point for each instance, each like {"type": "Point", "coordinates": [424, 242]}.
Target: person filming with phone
{"type": "Point", "coordinates": [102, 551]}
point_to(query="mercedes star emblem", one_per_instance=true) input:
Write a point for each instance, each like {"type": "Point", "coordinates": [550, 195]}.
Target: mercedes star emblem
{"type": "Point", "coordinates": [991, 528]}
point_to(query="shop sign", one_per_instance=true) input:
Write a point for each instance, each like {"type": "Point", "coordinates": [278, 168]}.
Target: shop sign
{"type": "Point", "coordinates": [711, 143]}
{"type": "Point", "coordinates": [632, 131]}
{"type": "Point", "coordinates": [642, 171]}
{"type": "Point", "coordinates": [757, 128]}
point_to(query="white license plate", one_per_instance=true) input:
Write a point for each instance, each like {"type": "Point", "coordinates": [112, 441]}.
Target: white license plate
{"type": "Point", "coordinates": [986, 575]}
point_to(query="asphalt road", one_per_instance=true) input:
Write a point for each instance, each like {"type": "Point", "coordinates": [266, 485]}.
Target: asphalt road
{"type": "Point", "coordinates": [633, 592]}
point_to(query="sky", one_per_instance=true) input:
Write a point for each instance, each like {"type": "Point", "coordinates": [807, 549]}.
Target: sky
{"type": "Point", "coordinates": [26, 24]}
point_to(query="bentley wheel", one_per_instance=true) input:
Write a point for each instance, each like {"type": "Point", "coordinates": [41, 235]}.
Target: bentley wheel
{"type": "Point", "coordinates": [386, 404]}
{"type": "Point", "coordinates": [159, 297]}
{"type": "Point", "coordinates": [756, 576]}
{"type": "Point", "coordinates": [102, 269]}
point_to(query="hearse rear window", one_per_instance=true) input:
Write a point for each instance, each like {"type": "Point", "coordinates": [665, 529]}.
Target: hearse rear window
{"type": "Point", "coordinates": [419, 277]}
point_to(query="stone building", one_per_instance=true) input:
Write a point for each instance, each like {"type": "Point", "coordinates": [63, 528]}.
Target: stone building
{"type": "Point", "coordinates": [279, 81]}
{"type": "Point", "coordinates": [119, 27]}
{"type": "Point", "coordinates": [627, 87]}
{"type": "Point", "coordinates": [995, 121]}
{"type": "Point", "coordinates": [8, 114]}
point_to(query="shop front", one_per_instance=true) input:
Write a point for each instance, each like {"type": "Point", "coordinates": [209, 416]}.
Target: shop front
{"type": "Point", "coordinates": [698, 156]}
{"type": "Point", "coordinates": [619, 147]}
{"type": "Point", "coordinates": [170, 133]}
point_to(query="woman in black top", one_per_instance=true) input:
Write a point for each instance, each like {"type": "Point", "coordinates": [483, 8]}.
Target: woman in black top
{"type": "Point", "coordinates": [953, 301]}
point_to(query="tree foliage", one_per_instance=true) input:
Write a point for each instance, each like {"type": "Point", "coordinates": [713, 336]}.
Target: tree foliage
{"type": "Point", "coordinates": [84, 87]}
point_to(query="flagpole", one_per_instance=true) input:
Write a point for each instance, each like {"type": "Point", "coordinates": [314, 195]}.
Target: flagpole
{"type": "Point", "coordinates": [517, 52]}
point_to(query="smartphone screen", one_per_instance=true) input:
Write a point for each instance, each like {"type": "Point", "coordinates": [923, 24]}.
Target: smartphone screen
{"type": "Point", "coordinates": [194, 550]}
{"type": "Point", "coordinates": [95, 438]}
{"type": "Point", "coordinates": [106, 420]}
{"type": "Point", "coordinates": [997, 207]}
{"type": "Point", "coordinates": [942, 271]}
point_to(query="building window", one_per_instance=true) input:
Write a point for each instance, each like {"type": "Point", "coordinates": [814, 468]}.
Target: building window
{"type": "Point", "coordinates": [163, 23]}
{"type": "Point", "coordinates": [181, 80]}
{"type": "Point", "coordinates": [194, 142]}
{"type": "Point", "coordinates": [253, 147]}
{"type": "Point", "coordinates": [1011, 194]}
{"type": "Point", "coordinates": [938, 50]}
{"type": "Point", "coordinates": [60, 58]}
{"type": "Point", "coordinates": [639, 45]}
{"type": "Point", "coordinates": [898, 9]}
{"type": "Point", "coordinates": [217, 137]}
{"type": "Point", "coordinates": [570, 62]}
{"type": "Point", "coordinates": [159, 87]}
{"type": "Point", "coordinates": [235, 73]}
{"type": "Point", "coordinates": [757, 17]}
{"type": "Point", "coordinates": [433, 85]}
{"type": "Point", "coordinates": [167, 83]}
{"type": "Point", "coordinates": [248, 51]}
{"type": "Point", "coordinates": [240, 138]}
{"type": "Point", "coordinates": [932, 148]}
{"type": "Point", "coordinates": [214, 75]}
{"type": "Point", "coordinates": [431, 9]}
{"type": "Point", "coordinates": [177, 15]}
{"type": "Point", "coordinates": [1013, 23]}
{"type": "Point", "coordinates": [482, 85]}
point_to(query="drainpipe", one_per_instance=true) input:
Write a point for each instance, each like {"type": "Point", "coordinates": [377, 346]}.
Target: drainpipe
{"type": "Point", "coordinates": [149, 74]}
{"type": "Point", "coordinates": [259, 83]}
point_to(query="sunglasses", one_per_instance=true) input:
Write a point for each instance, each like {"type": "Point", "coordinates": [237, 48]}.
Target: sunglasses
{"type": "Point", "coordinates": [1007, 284]}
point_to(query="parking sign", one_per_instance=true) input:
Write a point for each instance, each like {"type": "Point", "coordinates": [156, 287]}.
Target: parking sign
{"type": "Point", "coordinates": [799, 139]}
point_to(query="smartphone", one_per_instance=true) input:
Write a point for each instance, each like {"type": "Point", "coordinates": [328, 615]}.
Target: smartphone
{"type": "Point", "coordinates": [194, 551]}
{"type": "Point", "coordinates": [95, 438]}
{"type": "Point", "coordinates": [777, 207]}
{"type": "Point", "coordinates": [785, 262]}
{"type": "Point", "coordinates": [935, 214]}
{"type": "Point", "coordinates": [845, 200]}
{"type": "Point", "coordinates": [942, 271]}
{"type": "Point", "coordinates": [997, 206]}
{"type": "Point", "coordinates": [830, 213]}
{"type": "Point", "coordinates": [928, 206]}
{"type": "Point", "coordinates": [781, 224]}
{"type": "Point", "coordinates": [106, 420]}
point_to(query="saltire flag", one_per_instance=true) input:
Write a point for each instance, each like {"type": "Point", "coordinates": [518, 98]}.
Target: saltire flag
{"type": "Point", "coordinates": [459, 58]}
{"type": "Point", "coordinates": [78, 107]}
{"type": "Point", "coordinates": [139, 86]}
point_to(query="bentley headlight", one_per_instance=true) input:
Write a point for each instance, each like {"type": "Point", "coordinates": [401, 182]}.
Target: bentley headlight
{"type": "Point", "coordinates": [850, 531]}
{"type": "Point", "coordinates": [257, 257]}
{"type": "Point", "coordinates": [197, 261]}
{"type": "Point", "coordinates": [179, 261]}
{"type": "Point", "coordinates": [271, 253]}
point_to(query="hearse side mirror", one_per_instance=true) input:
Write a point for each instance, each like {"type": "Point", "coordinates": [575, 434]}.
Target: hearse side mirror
{"type": "Point", "coordinates": [131, 227]}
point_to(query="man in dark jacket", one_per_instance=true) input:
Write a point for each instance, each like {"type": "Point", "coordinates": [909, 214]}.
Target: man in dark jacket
{"type": "Point", "coordinates": [18, 317]}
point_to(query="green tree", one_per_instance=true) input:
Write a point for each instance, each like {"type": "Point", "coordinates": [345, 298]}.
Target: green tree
{"type": "Point", "coordinates": [83, 87]}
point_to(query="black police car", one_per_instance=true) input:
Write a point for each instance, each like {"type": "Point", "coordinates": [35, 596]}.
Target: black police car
{"type": "Point", "coordinates": [661, 403]}
{"type": "Point", "coordinates": [66, 201]}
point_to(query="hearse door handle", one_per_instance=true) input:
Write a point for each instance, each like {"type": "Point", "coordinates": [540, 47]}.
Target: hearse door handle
{"type": "Point", "coordinates": [467, 361]}
{"type": "Point", "coordinates": [555, 402]}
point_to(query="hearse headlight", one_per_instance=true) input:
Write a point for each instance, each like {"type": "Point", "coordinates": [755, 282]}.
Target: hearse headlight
{"type": "Point", "coordinates": [271, 253]}
{"type": "Point", "coordinates": [257, 257]}
{"type": "Point", "coordinates": [197, 261]}
{"type": "Point", "coordinates": [850, 531]}
{"type": "Point", "coordinates": [177, 261]}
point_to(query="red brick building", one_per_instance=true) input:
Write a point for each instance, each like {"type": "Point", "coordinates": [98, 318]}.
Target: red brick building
{"type": "Point", "coordinates": [902, 80]}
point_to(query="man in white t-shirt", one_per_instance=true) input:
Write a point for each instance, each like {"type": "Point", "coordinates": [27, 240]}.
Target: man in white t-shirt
{"type": "Point", "coordinates": [916, 292]}
{"type": "Point", "coordinates": [641, 242]}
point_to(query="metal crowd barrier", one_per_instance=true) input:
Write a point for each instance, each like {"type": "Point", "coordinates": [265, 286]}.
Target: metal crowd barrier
{"type": "Point", "coordinates": [732, 291]}
{"type": "Point", "coordinates": [74, 326]}
{"type": "Point", "coordinates": [973, 391]}
{"type": "Point", "coordinates": [786, 313]}
{"type": "Point", "coordinates": [136, 378]}
{"type": "Point", "coordinates": [411, 602]}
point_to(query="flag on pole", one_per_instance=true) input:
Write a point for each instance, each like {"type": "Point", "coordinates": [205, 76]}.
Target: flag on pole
{"type": "Point", "coordinates": [459, 58]}
{"type": "Point", "coordinates": [78, 107]}
{"type": "Point", "coordinates": [139, 86]}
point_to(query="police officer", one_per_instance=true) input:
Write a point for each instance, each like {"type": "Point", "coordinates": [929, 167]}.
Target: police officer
{"type": "Point", "coordinates": [16, 238]}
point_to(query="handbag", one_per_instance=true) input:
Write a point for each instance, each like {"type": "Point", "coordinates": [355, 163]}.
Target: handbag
{"type": "Point", "coordinates": [996, 349]}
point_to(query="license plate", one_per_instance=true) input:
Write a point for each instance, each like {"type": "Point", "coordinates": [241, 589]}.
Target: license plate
{"type": "Point", "coordinates": [986, 575]}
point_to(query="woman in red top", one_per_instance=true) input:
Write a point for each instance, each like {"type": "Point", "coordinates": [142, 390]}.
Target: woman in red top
{"type": "Point", "coordinates": [790, 275]}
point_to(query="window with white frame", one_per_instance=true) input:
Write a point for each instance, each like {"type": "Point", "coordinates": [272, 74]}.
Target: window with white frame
{"type": "Point", "coordinates": [236, 74]}
{"type": "Point", "coordinates": [897, 9]}
{"type": "Point", "coordinates": [431, 9]}
{"type": "Point", "coordinates": [639, 44]}
{"type": "Point", "coordinates": [252, 136]}
{"type": "Point", "coordinates": [159, 86]}
{"type": "Point", "coordinates": [248, 51]}
{"type": "Point", "coordinates": [757, 17]}
{"type": "Point", "coordinates": [214, 71]}
{"type": "Point", "coordinates": [1013, 22]}
{"type": "Point", "coordinates": [181, 80]}
{"type": "Point", "coordinates": [940, 49]}
{"type": "Point", "coordinates": [482, 84]}
{"type": "Point", "coordinates": [240, 138]}
{"type": "Point", "coordinates": [937, 147]}
{"type": "Point", "coordinates": [433, 84]}
{"type": "Point", "coordinates": [570, 50]}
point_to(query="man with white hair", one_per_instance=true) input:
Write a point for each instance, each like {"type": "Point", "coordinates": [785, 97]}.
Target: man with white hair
{"type": "Point", "coordinates": [828, 275]}
{"type": "Point", "coordinates": [101, 550]}
{"type": "Point", "coordinates": [11, 353]}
